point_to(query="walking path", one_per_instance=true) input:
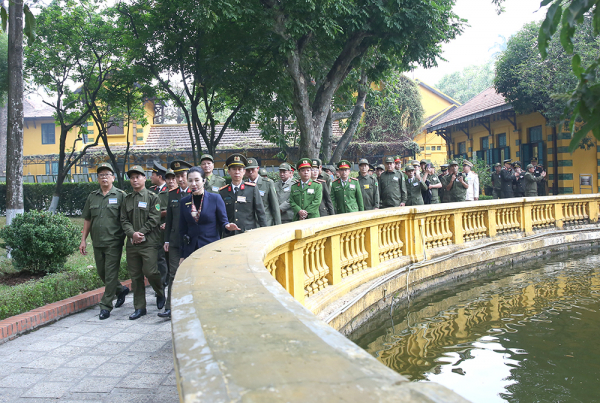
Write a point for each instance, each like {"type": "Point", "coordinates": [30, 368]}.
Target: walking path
{"type": "Point", "coordinates": [82, 359]}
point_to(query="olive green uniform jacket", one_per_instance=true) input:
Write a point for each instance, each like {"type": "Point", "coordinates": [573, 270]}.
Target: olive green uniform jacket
{"type": "Point", "coordinates": [369, 188]}
{"type": "Point", "coordinates": [531, 184]}
{"type": "Point", "coordinates": [435, 193]}
{"type": "Point", "coordinates": [214, 183]}
{"type": "Point", "coordinates": [104, 214]}
{"type": "Point", "coordinates": [284, 189]}
{"type": "Point", "coordinates": [496, 185]}
{"type": "Point", "coordinates": [457, 193]}
{"type": "Point", "coordinates": [308, 198]}
{"type": "Point", "coordinates": [392, 189]}
{"type": "Point", "coordinates": [268, 194]}
{"type": "Point", "coordinates": [347, 198]}
{"type": "Point", "coordinates": [413, 191]}
{"type": "Point", "coordinates": [172, 221]}
{"type": "Point", "coordinates": [245, 208]}
{"type": "Point", "coordinates": [140, 212]}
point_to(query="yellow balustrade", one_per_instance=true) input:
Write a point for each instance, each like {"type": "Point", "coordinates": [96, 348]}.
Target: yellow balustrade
{"type": "Point", "coordinates": [327, 257]}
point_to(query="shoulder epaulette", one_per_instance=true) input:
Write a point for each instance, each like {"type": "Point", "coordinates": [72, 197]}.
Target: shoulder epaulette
{"type": "Point", "coordinates": [320, 180]}
{"type": "Point", "coordinates": [174, 190]}
{"type": "Point", "coordinates": [353, 179]}
{"type": "Point", "coordinates": [121, 190]}
{"type": "Point", "coordinates": [251, 183]}
{"type": "Point", "coordinates": [337, 180]}
{"type": "Point", "coordinates": [223, 187]}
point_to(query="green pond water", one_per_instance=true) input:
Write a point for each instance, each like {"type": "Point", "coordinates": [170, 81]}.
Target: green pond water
{"type": "Point", "coordinates": [526, 334]}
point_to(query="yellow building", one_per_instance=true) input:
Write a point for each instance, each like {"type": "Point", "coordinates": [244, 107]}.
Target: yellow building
{"type": "Point", "coordinates": [488, 128]}
{"type": "Point", "coordinates": [436, 104]}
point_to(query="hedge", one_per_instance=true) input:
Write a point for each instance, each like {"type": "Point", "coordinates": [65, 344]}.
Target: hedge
{"type": "Point", "coordinates": [38, 196]}
{"type": "Point", "coordinates": [51, 288]}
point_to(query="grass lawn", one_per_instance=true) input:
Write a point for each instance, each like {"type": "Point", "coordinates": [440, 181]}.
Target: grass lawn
{"type": "Point", "coordinates": [75, 260]}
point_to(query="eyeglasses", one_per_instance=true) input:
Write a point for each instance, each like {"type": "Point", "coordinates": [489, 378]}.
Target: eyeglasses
{"type": "Point", "coordinates": [104, 175]}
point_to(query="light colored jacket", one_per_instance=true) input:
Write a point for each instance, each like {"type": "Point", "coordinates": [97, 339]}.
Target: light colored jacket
{"type": "Point", "coordinates": [473, 190]}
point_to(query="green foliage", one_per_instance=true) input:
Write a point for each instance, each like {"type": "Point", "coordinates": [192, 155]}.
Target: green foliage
{"type": "Point", "coordinates": [394, 113]}
{"type": "Point", "coordinates": [51, 288]}
{"type": "Point", "coordinates": [40, 241]}
{"type": "Point", "coordinates": [464, 85]}
{"type": "Point", "coordinates": [534, 84]}
{"type": "Point", "coordinates": [571, 17]}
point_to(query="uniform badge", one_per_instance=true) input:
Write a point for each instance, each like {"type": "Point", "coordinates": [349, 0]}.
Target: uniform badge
{"type": "Point", "coordinates": [366, 186]}
{"type": "Point", "coordinates": [241, 199]}
{"type": "Point", "coordinates": [262, 193]}
{"type": "Point", "coordinates": [215, 188]}
{"type": "Point", "coordinates": [112, 200]}
{"type": "Point", "coordinates": [396, 178]}
{"type": "Point", "coordinates": [352, 186]}
{"type": "Point", "coordinates": [157, 207]}
{"type": "Point", "coordinates": [310, 191]}
{"type": "Point", "coordinates": [142, 204]}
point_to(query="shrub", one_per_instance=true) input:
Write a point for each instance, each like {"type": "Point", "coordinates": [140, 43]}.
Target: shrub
{"type": "Point", "coordinates": [39, 241]}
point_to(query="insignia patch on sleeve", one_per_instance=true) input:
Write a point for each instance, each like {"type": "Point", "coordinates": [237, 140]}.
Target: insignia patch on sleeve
{"type": "Point", "coordinates": [157, 207]}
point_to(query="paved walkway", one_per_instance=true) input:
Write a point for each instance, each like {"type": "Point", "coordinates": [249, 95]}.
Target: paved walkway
{"type": "Point", "coordinates": [82, 359]}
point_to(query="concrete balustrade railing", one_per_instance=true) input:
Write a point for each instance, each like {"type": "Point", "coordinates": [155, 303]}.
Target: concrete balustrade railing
{"type": "Point", "coordinates": [241, 327]}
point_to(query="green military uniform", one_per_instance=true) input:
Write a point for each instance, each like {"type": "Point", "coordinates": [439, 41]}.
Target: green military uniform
{"type": "Point", "coordinates": [346, 196]}
{"type": "Point", "coordinates": [369, 188]}
{"type": "Point", "coordinates": [392, 188]}
{"type": "Point", "coordinates": [434, 180]}
{"type": "Point", "coordinates": [530, 182]}
{"type": "Point", "coordinates": [172, 236]}
{"type": "Point", "coordinates": [212, 182]}
{"type": "Point", "coordinates": [103, 212]}
{"type": "Point", "coordinates": [442, 194]}
{"type": "Point", "coordinates": [496, 183]}
{"type": "Point", "coordinates": [457, 192]}
{"type": "Point", "coordinates": [140, 212]}
{"type": "Point", "coordinates": [243, 203]}
{"type": "Point", "coordinates": [283, 190]}
{"type": "Point", "coordinates": [268, 194]}
{"type": "Point", "coordinates": [414, 187]}
{"type": "Point", "coordinates": [162, 191]}
{"type": "Point", "coordinates": [326, 208]}
{"type": "Point", "coordinates": [306, 196]}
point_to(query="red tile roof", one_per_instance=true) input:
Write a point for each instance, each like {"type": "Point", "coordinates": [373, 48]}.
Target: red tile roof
{"type": "Point", "coordinates": [33, 109]}
{"type": "Point", "coordinates": [487, 101]}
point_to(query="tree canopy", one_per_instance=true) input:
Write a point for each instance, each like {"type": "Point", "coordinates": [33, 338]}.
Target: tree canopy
{"type": "Point", "coordinates": [464, 85]}
{"type": "Point", "coordinates": [535, 84]}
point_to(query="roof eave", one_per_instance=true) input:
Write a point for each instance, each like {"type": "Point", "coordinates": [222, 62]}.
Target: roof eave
{"type": "Point", "coordinates": [471, 117]}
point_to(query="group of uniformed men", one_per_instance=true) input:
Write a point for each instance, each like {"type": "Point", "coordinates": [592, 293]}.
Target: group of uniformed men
{"type": "Point", "coordinates": [511, 181]}
{"type": "Point", "coordinates": [149, 218]}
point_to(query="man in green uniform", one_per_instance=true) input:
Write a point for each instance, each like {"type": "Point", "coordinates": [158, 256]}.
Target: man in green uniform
{"type": "Point", "coordinates": [140, 219]}
{"type": "Point", "coordinates": [158, 178]}
{"type": "Point", "coordinates": [496, 181]}
{"type": "Point", "coordinates": [398, 163]}
{"type": "Point", "coordinates": [414, 187]}
{"type": "Point", "coordinates": [212, 182]}
{"type": "Point", "coordinates": [392, 186]}
{"type": "Point", "coordinates": [242, 200]}
{"type": "Point", "coordinates": [268, 194]}
{"type": "Point", "coordinates": [519, 184]}
{"type": "Point", "coordinates": [531, 181]}
{"type": "Point", "coordinates": [442, 194]}
{"type": "Point", "coordinates": [306, 194]}
{"type": "Point", "coordinates": [172, 238]}
{"type": "Point", "coordinates": [508, 179]}
{"type": "Point", "coordinates": [263, 172]}
{"type": "Point", "coordinates": [455, 184]}
{"type": "Point", "coordinates": [537, 172]}
{"type": "Point", "coordinates": [432, 181]}
{"type": "Point", "coordinates": [326, 207]}
{"type": "Point", "coordinates": [345, 191]}
{"type": "Point", "coordinates": [283, 187]}
{"type": "Point", "coordinates": [368, 185]}
{"type": "Point", "coordinates": [102, 221]}
{"type": "Point", "coordinates": [379, 170]}
{"type": "Point", "coordinates": [171, 180]}
{"type": "Point", "coordinates": [161, 189]}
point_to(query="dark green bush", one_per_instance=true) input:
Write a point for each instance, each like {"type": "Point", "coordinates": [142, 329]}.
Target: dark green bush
{"type": "Point", "coordinates": [40, 241]}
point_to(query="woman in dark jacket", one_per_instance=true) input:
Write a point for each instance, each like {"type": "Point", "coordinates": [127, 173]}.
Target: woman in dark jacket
{"type": "Point", "coordinates": [203, 216]}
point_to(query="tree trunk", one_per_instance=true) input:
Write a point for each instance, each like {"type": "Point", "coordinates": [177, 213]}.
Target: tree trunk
{"type": "Point", "coordinates": [3, 113]}
{"type": "Point", "coordinates": [359, 108]}
{"type": "Point", "coordinates": [14, 136]}
{"type": "Point", "coordinates": [327, 143]}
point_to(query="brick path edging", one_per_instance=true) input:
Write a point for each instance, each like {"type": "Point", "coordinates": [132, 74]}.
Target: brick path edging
{"type": "Point", "coordinates": [19, 324]}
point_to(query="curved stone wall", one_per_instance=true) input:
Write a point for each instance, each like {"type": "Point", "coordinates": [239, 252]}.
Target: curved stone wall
{"type": "Point", "coordinates": [243, 310]}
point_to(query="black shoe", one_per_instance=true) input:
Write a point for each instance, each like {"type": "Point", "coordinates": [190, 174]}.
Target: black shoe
{"type": "Point", "coordinates": [137, 313]}
{"type": "Point", "coordinates": [160, 302]}
{"type": "Point", "coordinates": [165, 314]}
{"type": "Point", "coordinates": [121, 297]}
{"type": "Point", "coordinates": [105, 314]}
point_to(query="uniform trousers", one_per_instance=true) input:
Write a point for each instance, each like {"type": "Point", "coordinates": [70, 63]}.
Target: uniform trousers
{"type": "Point", "coordinates": [141, 262]}
{"type": "Point", "coordinates": [174, 256]}
{"type": "Point", "coordinates": [163, 269]}
{"type": "Point", "coordinates": [108, 262]}
{"type": "Point", "coordinates": [496, 193]}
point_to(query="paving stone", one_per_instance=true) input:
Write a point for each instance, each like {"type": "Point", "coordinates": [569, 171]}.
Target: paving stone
{"type": "Point", "coordinates": [23, 356]}
{"type": "Point", "coordinates": [126, 337]}
{"type": "Point", "coordinates": [155, 365]}
{"type": "Point", "coordinates": [96, 384]}
{"type": "Point", "coordinates": [45, 363]}
{"type": "Point", "coordinates": [128, 357]}
{"type": "Point", "coordinates": [43, 346]}
{"type": "Point", "coordinates": [171, 379]}
{"type": "Point", "coordinates": [87, 397]}
{"type": "Point", "coordinates": [141, 381]}
{"type": "Point", "coordinates": [86, 361]}
{"type": "Point", "coordinates": [113, 369]}
{"type": "Point", "coordinates": [20, 380]}
{"type": "Point", "coordinates": [128, 397]}
{"type": "Point", "coordinates": [72, 374]}
{"type": "Point", "coordinates": [158, 336]}
{"type": "Point", "coordinates": [109, 348]}
{"type": "Point", "coordinates": [166, 394]}
{"type": "Point", "coordinates": [147, 346]}
{"type": "Point", "coordinates": [86, 341]}
{"type": "Point", "coordinates": [63, 336]}
{"type": "Point", "coordinates": [68, 351]}
{"type": "Point", "coordinates": [48, 389]}
{"type": "Point", "coordinates": [8, 368]}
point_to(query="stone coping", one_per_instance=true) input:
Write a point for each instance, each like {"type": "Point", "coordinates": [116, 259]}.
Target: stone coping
{"type": "Point", "coordinates": [25, 322]}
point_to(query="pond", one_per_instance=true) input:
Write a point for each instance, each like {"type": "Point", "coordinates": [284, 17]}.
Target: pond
{"type": "Point", "coordinates": [526, 334]}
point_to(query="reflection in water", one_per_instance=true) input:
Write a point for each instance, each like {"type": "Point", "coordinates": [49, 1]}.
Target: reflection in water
{"type": "Point", "coordinates": [522, 336]}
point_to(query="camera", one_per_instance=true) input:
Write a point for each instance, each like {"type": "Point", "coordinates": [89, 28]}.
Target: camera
{"type": "Point", "coordinates": [460, 174]}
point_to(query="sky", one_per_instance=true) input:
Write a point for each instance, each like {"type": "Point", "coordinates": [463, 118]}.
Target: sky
{"type": "Point", "coordinates": [477, 43]}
